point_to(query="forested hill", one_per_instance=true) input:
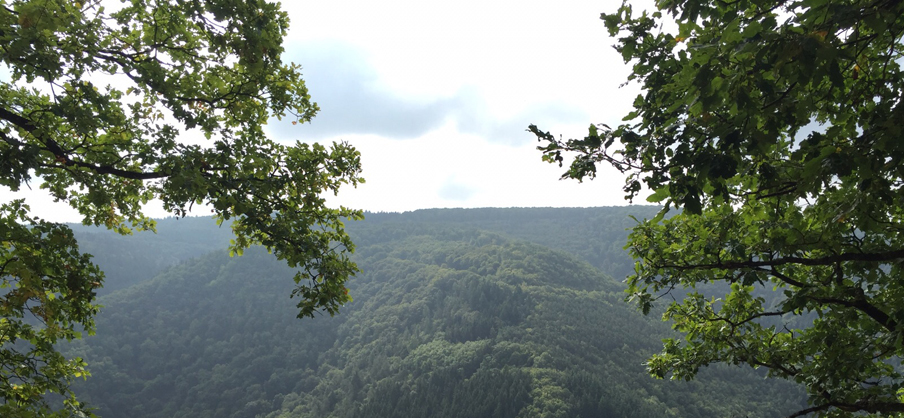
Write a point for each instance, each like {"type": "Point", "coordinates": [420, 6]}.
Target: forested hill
{"type": "Point", "coordinates": [130, 259]}
{"type": "Point", "coordinates": [448, 321]}
{"type": "Point", "coordinates": [596, 235]}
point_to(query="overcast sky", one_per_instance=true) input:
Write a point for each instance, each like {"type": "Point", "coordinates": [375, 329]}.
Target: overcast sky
{"type": "Point", "coordinates": [437, 97]}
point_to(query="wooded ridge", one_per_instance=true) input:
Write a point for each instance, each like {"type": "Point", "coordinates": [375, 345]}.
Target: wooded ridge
{"type": "Point", "coordinates": [456, 314]}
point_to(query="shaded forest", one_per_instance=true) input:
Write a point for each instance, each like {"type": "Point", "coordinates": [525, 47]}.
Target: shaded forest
{"type": "Point", "coordinates": [457, 313]}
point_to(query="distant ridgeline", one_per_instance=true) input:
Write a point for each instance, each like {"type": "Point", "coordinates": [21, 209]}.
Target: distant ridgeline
{"type": "Point", "coordinates": [457, 313]}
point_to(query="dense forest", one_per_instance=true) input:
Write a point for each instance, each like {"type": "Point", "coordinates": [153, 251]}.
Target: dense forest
{"type": "Point", "coordinates": [456, 313]}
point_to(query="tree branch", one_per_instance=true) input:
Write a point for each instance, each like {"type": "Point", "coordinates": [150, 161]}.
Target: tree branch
{"type": "Point", "coordinates": [867, 308]}
{"type": "Point", "coordinates": [809, 411]}
{"type": "Point", "coordinates": [822, 261]}
{"type": "Point", "coordinates": [63, 156]}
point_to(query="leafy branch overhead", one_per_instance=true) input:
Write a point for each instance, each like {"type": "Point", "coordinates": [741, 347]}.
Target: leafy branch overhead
{"type": "Point", "coordinates": [155, 99]}
{"type": "Point", "coordinates": [776, 128]}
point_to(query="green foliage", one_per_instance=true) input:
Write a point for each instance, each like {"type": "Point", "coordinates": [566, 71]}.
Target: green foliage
{"type": "Point", "coordinates": [210, 68]}
{"type": "Point", "coordinates": [776, 128]}
{"type": "Point", "coordinates": [46, 290]}
{"type": "Point", "coordinates": [448, 321]}
{"type": "Point", "coordinates": [126, 260]}
{"type": "Point", "coordinates": [213, 337]}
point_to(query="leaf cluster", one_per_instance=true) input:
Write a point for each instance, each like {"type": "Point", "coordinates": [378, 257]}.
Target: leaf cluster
{"type": "Point", "coordinates": [775, 127]}
{"type": "Point", "coordinates": [47, 290]}
{"type": "Point", "coordinates": [110, 106]}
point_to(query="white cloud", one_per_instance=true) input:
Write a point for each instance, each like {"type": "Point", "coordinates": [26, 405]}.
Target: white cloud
{"type": "Point", "coordinates": [446, 168]}
{"type": "Point", "coordinates": [453, 190]}
{"type": "Point", "coordinates": [514, 54]}
{"type": "Point", "coordinates": [354, 101]}
{"type": "Point", "coordinates": [460, 82]}
{"type": "Point", "coordinates": [437, 97]}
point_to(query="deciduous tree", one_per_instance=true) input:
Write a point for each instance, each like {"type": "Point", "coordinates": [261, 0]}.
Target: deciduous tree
{"type": "Point", "coordinates": [95, 110]}
{"type": "Point", "coordinates": [776, 128]}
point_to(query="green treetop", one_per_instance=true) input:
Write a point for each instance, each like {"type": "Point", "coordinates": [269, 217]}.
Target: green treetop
{"type": "Point", "coordinates": [208, 67]}
{"type": "Point", "coordinates": [776, 128]}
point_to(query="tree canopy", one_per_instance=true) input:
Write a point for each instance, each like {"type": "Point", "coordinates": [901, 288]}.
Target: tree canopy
{"type": "Point", "coordinates": [108, 108]}
{"type": "Point", "coordinates": [775, 127]}
{"type": "Point", "coordinates": [452, 318]}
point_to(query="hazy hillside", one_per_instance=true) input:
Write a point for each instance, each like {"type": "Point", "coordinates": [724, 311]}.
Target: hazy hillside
{"type": "Point", "coordinates": [130, 259]}
{"type": "Point", "coordinates": [596, 235]}
{"type": "Point", "coordinates": [448, 321]}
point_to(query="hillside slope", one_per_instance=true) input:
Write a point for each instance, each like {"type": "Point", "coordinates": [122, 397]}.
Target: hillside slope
{"type": "Point", "coordinates": [447, 322]}
{"type": "Point", "coordinates": [595, 235]}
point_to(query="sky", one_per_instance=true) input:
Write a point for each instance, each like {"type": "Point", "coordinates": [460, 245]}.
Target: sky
{"type": "Point", "coordinates": [437, 97]}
